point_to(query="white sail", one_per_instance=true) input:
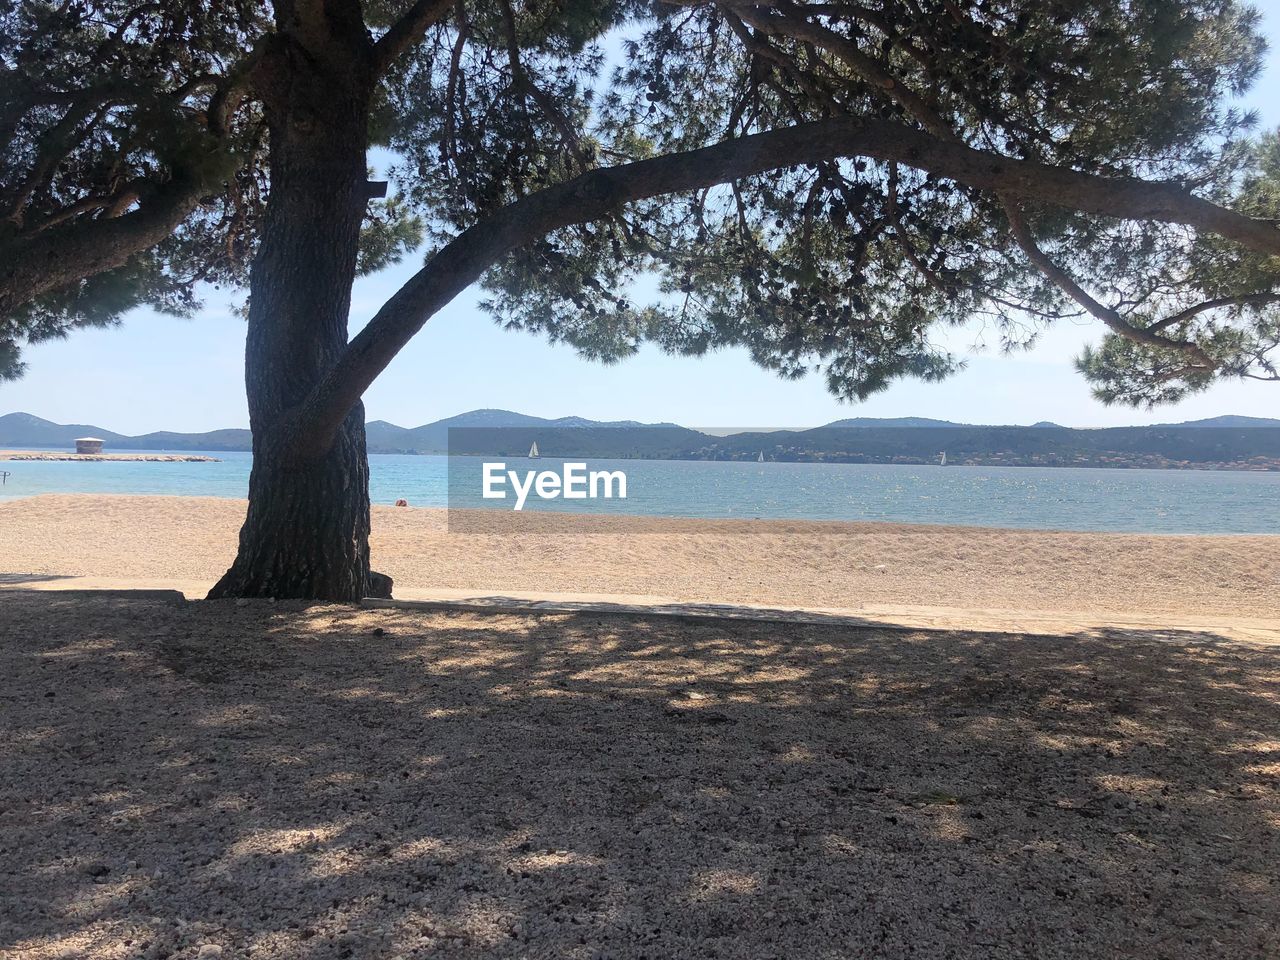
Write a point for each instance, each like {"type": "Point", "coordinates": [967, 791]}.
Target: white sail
{"type": "Point", "coordinates": [943, 461]}
{"type": "Point", "coordinates": [533, 451]}
{"type": "Point", "coordinates": [760, 459]}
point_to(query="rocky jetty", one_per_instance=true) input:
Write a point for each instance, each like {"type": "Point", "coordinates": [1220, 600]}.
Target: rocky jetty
{"type": "Point", "coordinates": [148, 457]}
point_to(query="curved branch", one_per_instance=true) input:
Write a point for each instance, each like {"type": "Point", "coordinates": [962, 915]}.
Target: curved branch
{"type": "Point", "coordinates": [407, 31]}
{"type": "Point", "coordinates": [68, 246]}
{"type": "Point", "coordinates": [1245, 300]}
{"type": "Point", "coordinates": [598, 193]}
{"type": "Point", "coordinates": [1112, 318]}
{"type": "Point", "coordinates": [113, 204]}
{"type": "Point", "coordinates": [64, 255]}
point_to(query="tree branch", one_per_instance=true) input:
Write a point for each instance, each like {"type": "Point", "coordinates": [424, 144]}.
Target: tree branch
{"type": "Point", "coordinates": [864, 66]}
{"type": "Point", "coordinates": [407, 31]}
{"type": "Point", "coordinates": [1113, 320]}
{"type": "Point", "coordinates": [522, 81]}
{"type": "Point", "coordinates": [1252, 300]}
{"type": "Point", "coordinates": [600, 192]}
{"type": "Point", "coordinates": [55, 144]}
{"type": "Point", "coordinates": [63, 255]}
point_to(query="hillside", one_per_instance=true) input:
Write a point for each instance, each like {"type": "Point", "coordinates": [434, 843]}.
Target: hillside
{"type": "Point", "coordinates": [1228, 421]}
{"type": "Point", "coordinates": [879, 423]}
{"type": "Point", "coordinates": [384, 437]}
{"type": "Point", "coordinates": [1191, 446]}
{"type": "Point", "coordinates": [1236, 442]}
{"type": "Point", "coordinates": [25, 430]}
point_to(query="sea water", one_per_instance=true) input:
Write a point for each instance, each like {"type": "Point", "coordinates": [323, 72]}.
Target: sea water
{"type": "Point", "coordinates": [1055, 498]}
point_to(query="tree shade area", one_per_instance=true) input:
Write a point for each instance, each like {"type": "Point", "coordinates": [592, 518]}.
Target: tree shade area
{"type": "Point", "coordinates": [822, 183]}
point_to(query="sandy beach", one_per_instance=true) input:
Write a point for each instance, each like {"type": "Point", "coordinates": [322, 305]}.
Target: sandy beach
{"type": "Point", "coordinates": [757, 562]}
{"type": "Point", "coordinates": [277, 781]}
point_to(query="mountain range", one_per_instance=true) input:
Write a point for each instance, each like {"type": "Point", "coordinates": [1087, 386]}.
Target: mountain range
{"type": "Point", "coordinates": [1227, 441]}
{"type": "Point", "coordinates": [384, 437]}
{"type": "Point", "coordinates": [1229, 420]}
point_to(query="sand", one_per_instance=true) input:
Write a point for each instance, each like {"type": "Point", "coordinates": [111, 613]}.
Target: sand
{"type": "Point", "coordinates": [844, 565]}
{"type": "Point", "coordinates": [257, 780]}
{"type": "Point", "coordinates": [252, 779]}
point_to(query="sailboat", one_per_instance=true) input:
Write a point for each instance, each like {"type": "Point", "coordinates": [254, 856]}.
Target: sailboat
{"type": "Point", "coordinates": [760, 459]}
{"type": "Point", "coordinates": [943, 461]}
{"type": "Point", "coordinates": [533, 451]}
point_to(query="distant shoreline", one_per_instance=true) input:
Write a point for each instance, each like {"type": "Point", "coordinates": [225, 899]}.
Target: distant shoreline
{"type": "Point", "coordinates": [50, 456]}
{"type": "Point", "coordinates": [1261, 465]}
{"type": "Point", "coordinates": [1258, 465]}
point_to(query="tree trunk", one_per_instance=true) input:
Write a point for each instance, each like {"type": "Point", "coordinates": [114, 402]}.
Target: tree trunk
{"type": "Point", "coordinates": [307, 531]}
{"type": "Point", "coordinates": [306, 534]}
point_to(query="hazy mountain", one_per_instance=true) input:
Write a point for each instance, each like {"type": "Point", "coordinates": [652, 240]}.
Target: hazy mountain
{"type": "Point", "coordinates": [1229, 420]}
{"type": "Point", "coordinates": [896, 422]}
{"type": "Point", "coordinates": [386, 437]}
{"type": "Point", "coordinates": [229, 439]}
{"type": "Point", "coordinates": [1256, 447]}
{"type": "Point", "coordinates": [1236, 441]}
{"type": "Point", "coordinates": [24, 430]}
{"type": "Point", "coordinates": [891, 423]}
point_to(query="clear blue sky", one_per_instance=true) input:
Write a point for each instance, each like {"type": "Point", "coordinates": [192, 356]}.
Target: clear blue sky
{"type": "Point", "coordinates": [157, 373]}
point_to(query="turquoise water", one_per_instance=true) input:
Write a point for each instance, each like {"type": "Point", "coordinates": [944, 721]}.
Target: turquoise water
{"type": "Point", "coordinates": [1061, 498]}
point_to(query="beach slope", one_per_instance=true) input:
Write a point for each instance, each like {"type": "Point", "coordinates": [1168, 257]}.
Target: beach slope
{"type": "Point", "coordinates": [790, 563]}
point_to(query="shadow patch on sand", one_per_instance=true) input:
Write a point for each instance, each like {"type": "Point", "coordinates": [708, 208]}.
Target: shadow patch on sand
{"type": "Point", "coordinates": [326, 782]}
{"type": "Point", "coordinates": [12, 579]}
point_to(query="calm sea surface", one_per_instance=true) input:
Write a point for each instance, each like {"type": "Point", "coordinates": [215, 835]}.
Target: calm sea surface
{"type": "Point", "coordinates": [1060, 498]}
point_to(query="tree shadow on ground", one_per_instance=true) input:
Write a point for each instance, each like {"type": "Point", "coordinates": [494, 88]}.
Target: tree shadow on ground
{"type": "Point", "coordinates": [289, 782]}
{"type": "Point", "coordinates": [17, 579]}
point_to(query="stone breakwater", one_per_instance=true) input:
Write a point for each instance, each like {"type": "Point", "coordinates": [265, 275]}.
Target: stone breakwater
{"type": "Point", "coordinates": [147, 457]}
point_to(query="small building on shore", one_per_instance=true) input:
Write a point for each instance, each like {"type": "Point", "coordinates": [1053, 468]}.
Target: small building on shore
{"type": "Point", "coordinates": [88, 445]}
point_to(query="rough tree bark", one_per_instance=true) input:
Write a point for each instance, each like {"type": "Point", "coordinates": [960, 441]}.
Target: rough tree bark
{"type": "Point", "coordinates": [306, 534]}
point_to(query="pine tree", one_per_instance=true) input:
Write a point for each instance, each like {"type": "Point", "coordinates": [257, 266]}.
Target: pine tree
{"type": "Point", "coordinates": [822, 183]}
